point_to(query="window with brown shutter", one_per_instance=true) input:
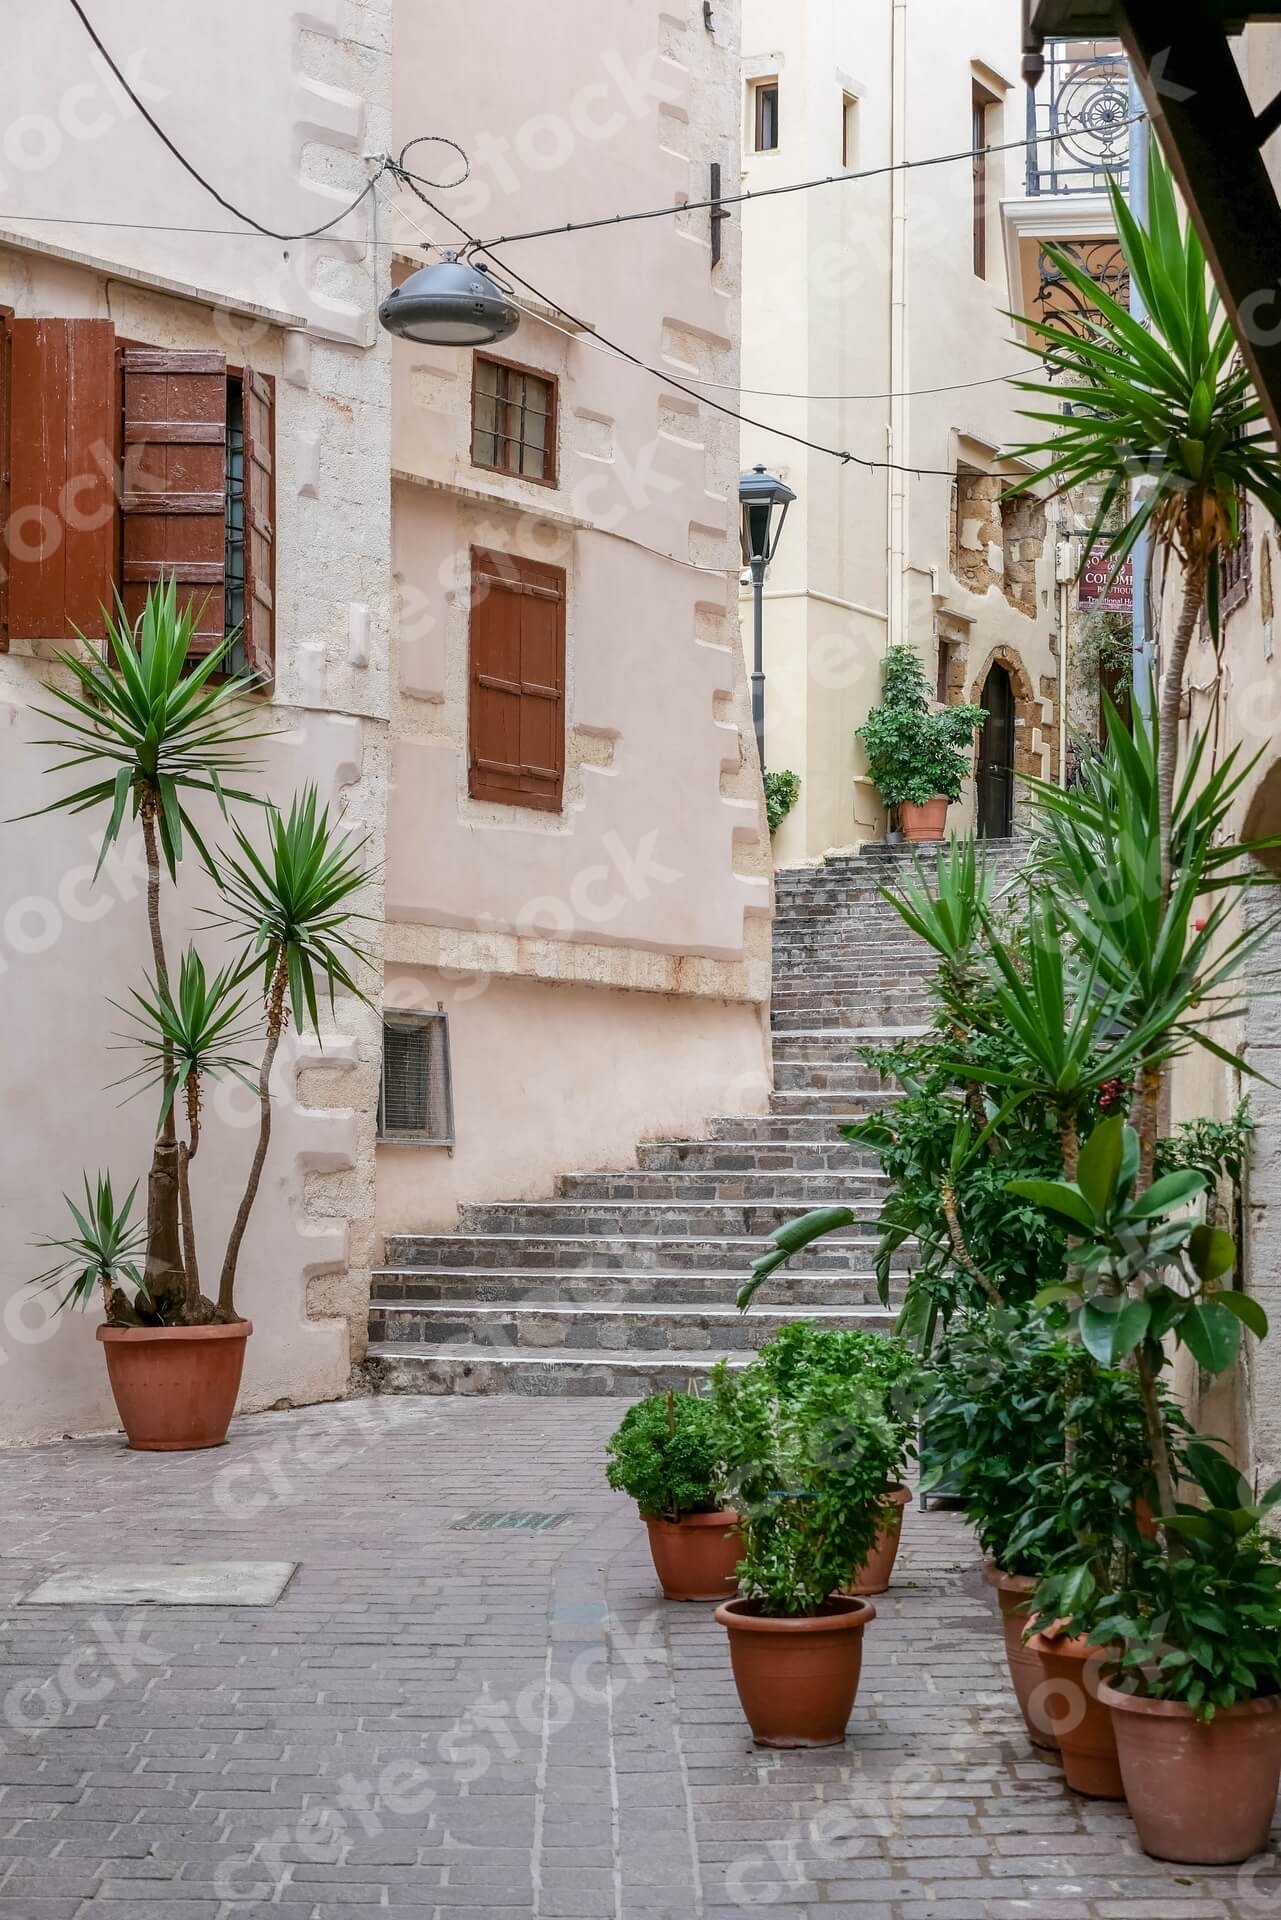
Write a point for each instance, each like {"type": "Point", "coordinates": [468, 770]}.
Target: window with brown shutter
{"type": "Point", "coordinates": [517, 681]}
{"type": "Point", "coordinates": [6, 315]}
{"type": "Point", "coordinates": [175, 489]}
{"type": "Point", "coordinates": [258, 510]}
{"type": "Point", "coordinates": [60, 528]}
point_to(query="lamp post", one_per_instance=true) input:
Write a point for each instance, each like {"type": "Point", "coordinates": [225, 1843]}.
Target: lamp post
{"type": "Point", "coordinates": [761, 496]}
{"type": "Point", "coordinates": [450, 304]}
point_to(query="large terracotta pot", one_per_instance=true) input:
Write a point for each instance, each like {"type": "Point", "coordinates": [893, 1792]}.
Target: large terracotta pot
{"type": "Point", "coordinates": [696, 1557]}
{"type": "Point", "coordinates": [1014, 1595]}
{"type": "Point", "coordinates": [1066, 1703]}
{"type": "Point", "coordinates": [1202, 1795]}
{"type": "Point", "coordinates": [175, 1387]}
{"type": "Point", "coordinates": [797, 1679]}
{"type": "Point", "coordinates": [924, 823]}
{"type": "Point", "coordinates": [877, 1570]}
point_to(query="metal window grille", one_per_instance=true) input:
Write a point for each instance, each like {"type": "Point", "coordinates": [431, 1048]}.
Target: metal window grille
{"type": "Point", "coordinates": [415, 1098]}
{"type": "Point", "coordinates": [1078, 119]}
{"type": "Point", "coordinates": [1235, 568]}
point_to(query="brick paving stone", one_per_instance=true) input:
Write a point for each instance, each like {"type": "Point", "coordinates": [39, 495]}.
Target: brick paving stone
{"type": "Point", "coordinates": [440, 1724]}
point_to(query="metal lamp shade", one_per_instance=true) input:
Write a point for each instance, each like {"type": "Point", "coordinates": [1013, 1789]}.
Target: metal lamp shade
{"type": "Point", "coordinates": [761, 495]}
{"type": "Point", "coordinates": [450, 304]}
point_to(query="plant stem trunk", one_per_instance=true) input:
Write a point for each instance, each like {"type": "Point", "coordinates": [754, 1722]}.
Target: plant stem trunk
{"type": "Point", "coordinates": [275, 1027]}
{"type": "Point", "coordinates": [1158, 1443]}
{"type": "Point", "coordinates": [168, 1284]}
{"type": "Point", "coordinates": [1171, 703]}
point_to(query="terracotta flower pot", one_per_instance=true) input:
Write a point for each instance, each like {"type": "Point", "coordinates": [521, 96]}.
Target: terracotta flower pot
{"type": "Point", "coordinates": [925, 823]}
{"type": "Point", "coordinates": [797, 1679]}
{"type": "Point", "coordinates": [1014, 1594]}
{"type": "Point", "coordinates": [1202, 1795]}
{"type": "Point", "coordinates": [877, 1570]}
{"type": "Point", "coordinates": [696, 1557]}
{"type": "Point", "coordinates": [1066, 1703]}
{"type": "Point", "coordinates": [175, 1387]}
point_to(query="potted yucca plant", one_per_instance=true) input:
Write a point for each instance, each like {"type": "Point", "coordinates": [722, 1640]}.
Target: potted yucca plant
{"type": "Point", "coordinates": [153, 724]}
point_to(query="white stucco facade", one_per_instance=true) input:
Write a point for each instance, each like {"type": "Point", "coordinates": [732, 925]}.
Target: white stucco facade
{"type": "Point", "coordinates": [868, 329]}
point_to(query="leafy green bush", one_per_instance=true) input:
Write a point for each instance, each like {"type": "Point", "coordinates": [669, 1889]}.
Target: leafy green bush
{"type": "Point", "coordinates": [782, 791]}
{"type": "Point", "coordinates": [807, 1466]}
{"type": "Point", "coordinates": [1203, 1627]}
{"type": "Point", "coordinates": [880, 1372]}
{"type": "Point", "coordinates": [913, 754]}
{"type": "Point", "coordinates": [667, 1456]}
{"type": "Point", "coordinates": [1009, 1391]}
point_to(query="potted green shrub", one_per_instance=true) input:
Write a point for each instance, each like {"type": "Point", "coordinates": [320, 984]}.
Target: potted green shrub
{"type": "Point", "coordinates": [150, 724]}
{"type": "Point", "coordinates": [917, 757]}
{"type": "Point", "coordinates": [1196, 1697]}
{"type": "Point", "coordinates": [807, 1481]}
{"type": "Point", "coordinates": [881, 1375]}
{"type": "Point", "coordinates": [667, 1456]}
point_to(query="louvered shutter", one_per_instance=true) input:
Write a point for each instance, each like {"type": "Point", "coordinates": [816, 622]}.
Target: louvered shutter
{"type": "Point", "coordinates": [6, 340]}
{"type": "Point", "coordinates": [517, 721]}
{"type": "Point", "coordinates": [175, 481]}
{"type": "Point", "coordinates": [60, 529]}
{"type": "Point", "coordinates": [259, 408]}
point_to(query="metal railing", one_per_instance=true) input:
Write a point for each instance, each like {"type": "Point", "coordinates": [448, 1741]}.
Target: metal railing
{"type": "Point", "coordinates": [1078, 136]}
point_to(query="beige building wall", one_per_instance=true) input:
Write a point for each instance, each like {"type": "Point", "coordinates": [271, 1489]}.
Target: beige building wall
{"type": "Point", "coordinates": [604, 966]}
{"type": "Point", "coordinates": [308, 97]}
{"type": "Point", "coordinates": [857, 292]}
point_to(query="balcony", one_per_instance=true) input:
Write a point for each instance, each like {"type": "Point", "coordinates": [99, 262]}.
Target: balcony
{"type": "Point", "coordinates": [1078, 136]}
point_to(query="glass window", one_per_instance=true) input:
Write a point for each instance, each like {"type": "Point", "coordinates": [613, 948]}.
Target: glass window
{"type": "Point", "coordinates": [514, 421]}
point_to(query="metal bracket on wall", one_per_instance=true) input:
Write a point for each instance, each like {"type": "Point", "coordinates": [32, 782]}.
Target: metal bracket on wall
{"type": "Point", "coordinates": [708, 21]}
{"type": "Point", "coordinates": [718, 213]}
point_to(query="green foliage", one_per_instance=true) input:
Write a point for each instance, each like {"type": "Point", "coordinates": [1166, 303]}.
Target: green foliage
{"type": "Point", "coordinates": [106, 1248]}
{"type": "Point", "coordinates": [667, 1456]}
{"type": "Point", "coordinates": [782, 791]}
{"type": "Point", "coordinates": [1008, 1390]}
{"type": "Point", "coordinates": [1216, 1148]}
{"type": "Point", "coordinates": [1105, 642]}
{"type": "Point", "coordinates": [807, 1468]}
{"type": "Point", "coordinates": [292, 909]}
{"type": "Point", "coordinates": [152, 723]}
{"type": "Point", "coordinates": [1203, 1627]}
{"type": "Point", "coordinates": [914, 754]}
{"type": "Point", "coordinates": [879, 1371]}
{"type": "Point", "coordinates": [1168, 401]}
{"type": "Point", "coordinates": [1142, 1266]}
{"type": "Point", "coordinates": [190, 1035]}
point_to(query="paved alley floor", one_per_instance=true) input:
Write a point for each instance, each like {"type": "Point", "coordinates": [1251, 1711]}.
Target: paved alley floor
{"type": "Point", "coordinates": [446, 1716]}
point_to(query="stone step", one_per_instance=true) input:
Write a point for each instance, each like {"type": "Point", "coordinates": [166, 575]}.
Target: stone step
{"type": "Point", "coordinates": [777, 1158]}
{"type": "Point", "coordinates": [847, 1253]}
{"type": "Point", "coordinates": [801, 1188]}
{"type": "Point", "coordinates": [674, 1287]}
{"type": "Point", "coordinates": [831, 1046]}
{"type": "Point", "coordinates": [825, 1076]}
{"type": "Point", "coordinates": [788, 1128]}
{"type": "Point", "coordinates": [400, 1368]}
{"type": "Point", "coordinates": [751, 1219]}
{"type": "Point", "coordinates": [840, 1109]}
{"type": "Point", "coordinates": [796, 1019]}
{"type": "Point", "coordinates": [555, 1326]}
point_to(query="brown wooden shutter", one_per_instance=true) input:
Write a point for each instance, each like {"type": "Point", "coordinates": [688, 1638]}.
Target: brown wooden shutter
{"type": "Point", "coordinates": [259, 409]}
{"type": "Point", "coordinates": [517, 681]}
{"type": "Point", "coordinates": [6, 339]}
{"type": "Point", "coordinates": [60, 528]}
{"type": "Point", "coordinates": [175, 480]}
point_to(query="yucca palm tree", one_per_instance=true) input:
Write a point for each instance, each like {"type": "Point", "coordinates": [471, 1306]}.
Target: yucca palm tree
{"type": "Point", "coordinates": [291, 909]}
{"type": "Point", "coordinates": [1162, 419]}
{"type": "Point", "coordinates": [153, 723]}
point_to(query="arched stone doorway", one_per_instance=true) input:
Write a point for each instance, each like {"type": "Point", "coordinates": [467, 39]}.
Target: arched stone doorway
{"type": "Point", "coordinates": [994, 776]}
{"type": "Point", "coordinates": [1010, 745]}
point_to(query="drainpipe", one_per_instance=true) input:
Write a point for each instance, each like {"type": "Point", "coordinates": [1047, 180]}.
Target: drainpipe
{"type": "Point", "coordinates": [1144, 647]}
{"type": "Point", "coordinates": [898, 439]}
{"type": "Point", "coordinates": [1065, 573]}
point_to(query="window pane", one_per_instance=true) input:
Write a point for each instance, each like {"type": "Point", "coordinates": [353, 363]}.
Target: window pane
{"type": "Point", "coordinates": [767, 118]}
{"type": "Point", "coordinates": [534, 463]}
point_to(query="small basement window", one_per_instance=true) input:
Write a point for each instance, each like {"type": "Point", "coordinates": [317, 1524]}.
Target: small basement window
{"type": "Point", "coordinates": [415, 1097]}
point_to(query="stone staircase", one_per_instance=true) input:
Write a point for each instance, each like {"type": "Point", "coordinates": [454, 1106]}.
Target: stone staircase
{"type": "Point", "coordinates": [625, 1282]}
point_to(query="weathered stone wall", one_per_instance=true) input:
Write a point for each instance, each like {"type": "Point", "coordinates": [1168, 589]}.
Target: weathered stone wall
{"type": "Point", "coordinates": [997, 542]}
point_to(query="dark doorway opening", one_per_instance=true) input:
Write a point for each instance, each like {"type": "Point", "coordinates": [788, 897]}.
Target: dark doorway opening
{"type": "Point", "coordinates": [996, 758]}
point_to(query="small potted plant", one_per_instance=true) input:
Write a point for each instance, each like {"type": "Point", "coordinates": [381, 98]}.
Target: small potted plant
{"type": "Point", "coordinates": [150, 727]}
{"type": "Point", "coordinates": [917, 757]}
{"type": "Point", "coordinates": [807, 1480]}
{"type": "Point", "coordinates": [881, 1376]}
{"type": "Point", "coordinates": [667, 1456]}
{"type": "Point", "coordinates": [1196, 1698]}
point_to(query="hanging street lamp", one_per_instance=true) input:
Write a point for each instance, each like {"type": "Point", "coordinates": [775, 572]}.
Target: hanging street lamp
{"type": "Point", "coordinates": [762, 496]}
{"type": "Point", "coordinates": [450, 304]}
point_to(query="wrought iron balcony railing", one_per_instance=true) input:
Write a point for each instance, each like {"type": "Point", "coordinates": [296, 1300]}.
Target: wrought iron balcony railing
{"type": "Point", "coordinates": [1078, 137]}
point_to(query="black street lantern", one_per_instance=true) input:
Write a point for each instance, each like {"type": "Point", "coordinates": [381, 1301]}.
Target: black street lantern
{"type": "Point", "coordinates": [762, 497]}
{"type": "Point", "coordinates": [450, 304]}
